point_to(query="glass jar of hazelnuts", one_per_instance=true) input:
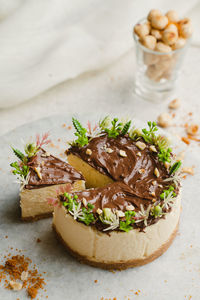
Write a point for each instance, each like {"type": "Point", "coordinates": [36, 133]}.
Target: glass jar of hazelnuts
{"type": "Point", "coordinates": [161, 42]}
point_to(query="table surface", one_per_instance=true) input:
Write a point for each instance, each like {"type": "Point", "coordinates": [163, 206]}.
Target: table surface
{"type": "Point", "coordinates": [175, 275]}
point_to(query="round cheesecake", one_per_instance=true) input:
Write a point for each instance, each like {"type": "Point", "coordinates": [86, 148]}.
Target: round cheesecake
{"type": "Point", "coordinates": [130, 212]}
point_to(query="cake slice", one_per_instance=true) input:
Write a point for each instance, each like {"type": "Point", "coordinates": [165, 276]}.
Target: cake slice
{"type": "Point", "coordinates": [41, 177]}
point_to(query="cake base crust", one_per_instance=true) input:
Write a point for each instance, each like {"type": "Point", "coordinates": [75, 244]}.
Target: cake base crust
{"type": "Point", "coordinates": [36, 218]}
{"type": "Point", "coordinates": [119, 265]}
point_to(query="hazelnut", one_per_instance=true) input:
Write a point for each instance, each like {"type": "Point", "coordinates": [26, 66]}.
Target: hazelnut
{"type": "Point", "coordinates": [142, 29]}
{"type": "Point", "coordinates": [156, 33]}
{"type": "Point", "coordinates": [185, 28]}
{"type": "Point", "coordinates": [188, 170]}
{"type": "Point", "coordinates": [84, 202]}
{"type": "Point", "coordinates": [149, 41]}
{"type": "Point", "coordinates": [174, 104]}
{"type": "Point", "coordinates": [153, 13]}
{"type": "Point", "coordinates": [170, 34]}
{"type": "Point", "coordinates": [154, 73]}
{"type": "Point", "coordinates": [120, 213]}
{"type": "Point", "coordinates": [99, 211]}
{"type": "Point", "coordinates": [180, 43]}
{"type": "Point", "coordinates": [164, 120]}
{"type": "Point", "coordinates": [159, 22]}
{"type": "Point", "coordinates": [161, 47]}
{"type": "Point", "coordinates": [150, 59]}
{"type": "Point", "coordinates": [109, 150]}
{"type": "Point", "coordinates": [172, 16]}
{"type": "Point", "coordinates": [153, 148]}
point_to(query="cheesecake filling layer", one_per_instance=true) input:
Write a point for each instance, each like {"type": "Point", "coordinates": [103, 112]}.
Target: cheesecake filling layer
{"type": "Point", "coordinates": [115, 247]}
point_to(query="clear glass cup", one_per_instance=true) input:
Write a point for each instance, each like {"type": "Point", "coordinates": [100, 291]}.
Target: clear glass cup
{"type": "Point", "coordinates": [156, 72]}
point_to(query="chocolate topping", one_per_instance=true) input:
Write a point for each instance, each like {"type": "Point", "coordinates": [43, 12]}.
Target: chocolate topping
{"type": "Point", "coordinates": [135, 169]}
{"type": "Point", "coordinates": [52, 169]}
{"type": "Point", "coordinates": [116, 196]}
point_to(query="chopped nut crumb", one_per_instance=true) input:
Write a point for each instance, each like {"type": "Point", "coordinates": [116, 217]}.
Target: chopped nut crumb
{"type": "Point", "coordinates": [166, 164]}
{"type": "Point", "coordinates": [130, 207]}
{"type": "Point", "coordinates": [122, 153]}
{"type": "Point", "coordinates": [154, 200]}
{"type": "Point", "coordinates": [109, 150]}
{"type": "Point", "coordinates": [192, 129]}
{"type": "Point", "coordinates": [99, 211]}
{"type": "Point", "coordinates": [164, 120]}
{"type": "Point", "coordinates": [139, 154]}
{"type": "Point", "coordinates": [84, 202]}
{"type": "Point", "coordinates": [16, 286]}
{"type": "Point", "coordinates": [154, 182]}
{"type": "Point", "coordinates": [188, 170]}
{"type": "Point", "coordinates": [120, 213]}
{"type": "Point", "coordinates": [174, 104]}
{"type": "Point", "coordinates": [141, 145]}
{"type": "Point", "coordinates": [24, 275]}
{"type": "Point", "coordinates": [185, 140]}
{"type": "Point", "coordinates": [156, 172]}
{"type": "Point", "coordinates": [153, 148]}
{"type": "Point", "coordinates": [38, 171]}
{"type": "Point", "coordinates": [88, 152]}
{"type": "Point", "coordinates": [153, 194]}
{"type": "Point", "coordinates": [141, 171]}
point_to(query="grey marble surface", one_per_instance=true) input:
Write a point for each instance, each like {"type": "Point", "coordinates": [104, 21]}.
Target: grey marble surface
{"type": "Point", "coordinates": [175, 275]}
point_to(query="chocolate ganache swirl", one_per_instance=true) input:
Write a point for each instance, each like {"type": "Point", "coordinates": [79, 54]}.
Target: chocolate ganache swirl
{"type": "Point", "coordinates": [52, 169]}
{"type": "Point", "coordinates": [133, 167]}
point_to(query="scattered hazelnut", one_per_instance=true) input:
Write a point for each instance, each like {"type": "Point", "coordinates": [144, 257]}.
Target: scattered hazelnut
{"type": "Point", "coordinates": [192, 129]}
{"type": "Point", "coordinates": [185, 28]}
{"type": "Point", "coordinates": [122, 153]}
{"type": "Point", "coordinates": [153, 200]}
{"type": "Point", "coordinates": [141, 145]}
{"type": "Point", "coordinates": [172, 16]}
{"type": "Point", "coordinates": [154, 182]}
{"type": "Point", "coordinates": [153, 194]}
{"type": "Point", "coordinates": [161, 47]}
{"type": "Point", "coordinates": [164, 120]}
{"type": "Point", "coordinates": [16, 286]}
{"type": "Point", "coordinates": [174, 104]}
{"type": "Point", "coordinates": [153, 148]}
{"type": "Point", "coordinates": [88, 152]}
{"type": "Point", "coordinates": [156, 172]}
{"type": "Point", "coordinates": [149, 41]}
{"type": "Point", "coordinates": [142, 29]}
{"type": "Point", "coordinates": [153, 13]}
{"type": "Point", "coordinates": [159, 22]}
{"type": "Point", "coordinates": [130, 207]}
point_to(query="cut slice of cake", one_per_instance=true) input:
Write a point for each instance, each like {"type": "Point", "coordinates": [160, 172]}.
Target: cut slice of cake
{"type": "Point", "coordinates": [42, 176]}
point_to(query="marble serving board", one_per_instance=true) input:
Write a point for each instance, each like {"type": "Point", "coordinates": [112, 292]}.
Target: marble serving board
{"type": "Point", "coordinates": [175, 275]}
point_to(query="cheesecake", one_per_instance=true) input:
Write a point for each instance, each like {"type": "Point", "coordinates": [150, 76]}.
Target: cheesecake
{"type": "Point", "coordinates": [129, 213]}
{"type": "Point", "coordinates": [42, 177]}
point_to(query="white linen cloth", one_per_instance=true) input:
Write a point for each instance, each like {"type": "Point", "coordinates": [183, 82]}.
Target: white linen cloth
{"type": "Point", "coordinates": [46, 42]}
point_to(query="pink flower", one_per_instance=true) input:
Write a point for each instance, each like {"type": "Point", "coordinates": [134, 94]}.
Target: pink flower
{"type": "Point", "coordinates": [52, 201]}
{"type": "Point", "coordinates": [43, 140]}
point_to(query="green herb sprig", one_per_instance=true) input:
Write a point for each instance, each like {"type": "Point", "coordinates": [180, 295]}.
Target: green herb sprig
{"type": "Point", "coordinates": [149, 135]}
{"type": "Point", "coordinates": [81, 133]}
{"type": "Point", "coordinates": [166, 193]}
{"type": "Point", "coordinates": [114, 127]}
{"type": "Point", "coordinates": [20, 169]}
{"type": "Point", "coordinates": [83, 214]}
{"type": "Point", "coordinates": [129, 220]}
{"type": "Point", "coordinates": [174, 168]}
